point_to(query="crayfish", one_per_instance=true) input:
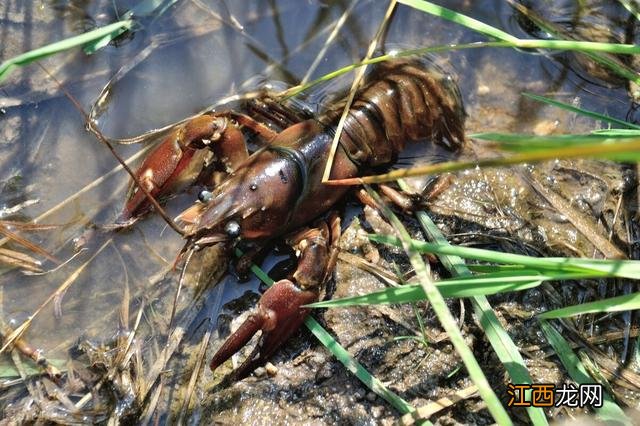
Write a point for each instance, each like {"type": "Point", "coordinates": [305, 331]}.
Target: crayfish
{"type": "Point", "coordinates": [278, 189]}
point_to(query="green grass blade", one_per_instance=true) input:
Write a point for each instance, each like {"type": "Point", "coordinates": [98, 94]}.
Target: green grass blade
{"type": "Point", "coordinates": [471, 286]}
{"type": "Point", "coordinates": [607, 268]}
{"type": "Point", "coordinates": [356, 368]}
{"type": "Point", "coordinates": [502, 344]}
{"type": "Point", "coordinates": [8, 369]}
{"type": "Point", "coordinates": [540, 44]}
{"type": "Point", "coordinates": [617, 132]}
{"type": "Point", "coordinates": [626, 302]}
{"type": "Point", "coordinates": [483, 285]}
{"type": "Point", "coordinates": [343, 356]}
{"type": "Point", "coordinates": [488, 30]}
{"type": "Point", "coordinates": [632, 7]}
{"type": "Point", "coordinates": [526, 143]}
{"type": "Point", "coordinates": [582, 46]}
{"type": "Point", "coordinates": [403, 294]}
{"type": "Point", "coordinates": [627, 149]}
{"type": "Point", "coordinates": [447, 321]}
{"type": "Point", "coordinates": [459, 18]}
{"type": "Point", "coordinates": [144, 8]}
{"type": "Point", "coordinates": [610, 412]}
{"type": "Point", "coordinates": [586, 113]}
{"type": "Point", "coordinates": [60, 46]}
{"type": "Point", "coordinates": [589, 48]}
{"type": "Point", "coordinates": [618, 145]}
{"type": "Point", "coordinates": [486, 269]}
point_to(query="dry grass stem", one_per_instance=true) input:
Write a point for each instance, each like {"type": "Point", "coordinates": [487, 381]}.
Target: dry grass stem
{"type": "Point", "coordinates": [26, 243]}
{"type": "Point", "coordinates": [19, 331]}
{"type": "Point", "coordinates": [580, 221]}
{"type": "Point", "coordinates": [426, 411]}
{"type": "Point", "coordinates": [354, 87]}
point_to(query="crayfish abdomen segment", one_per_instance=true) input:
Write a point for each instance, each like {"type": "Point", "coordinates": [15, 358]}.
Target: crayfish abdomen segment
{"type": "Point", "coordinates": [404, 100]}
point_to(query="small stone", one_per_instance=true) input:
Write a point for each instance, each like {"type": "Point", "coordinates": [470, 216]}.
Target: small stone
{"type": "Point", "coordinates": [271, 369]}
{"type": "Point", "coordinates": [483, 89]}
{"type": "Point", "coordinates": [545, 127]}
{"type": "Point", "coordinates": [325, 372]}
{"type": "Point", "coordinates": [260, 372]}
{"type": "Point", "coordinates": [371, 397]}
{"type": "Point", "coordinates": [359, 394]}
{"type": "Point", "coordinates": [376, 412]}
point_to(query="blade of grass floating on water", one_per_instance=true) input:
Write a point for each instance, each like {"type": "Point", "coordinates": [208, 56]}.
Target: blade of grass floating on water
{"type": "Point", "coordinates": [625, 302]}
{"type": "Point", "coordinates": [557, 44]}
{"type": "Point", "coordinates": [16, 259]}
{"type": "Point", "coordinates": [459, 18]}
{"type": "Point", "coordinates": [342, 355]}
{"type": "Point", "coordinates": [8, 370]}
{"type": "Point", "coordinates": [613, 268]}
{"type": "Point", "coordinates": [581, 111]}
{"type": "Point", "coordinates": [500, 341]}
{"type": "Point", "coordinates": [446, 319]}
{"type": "Point", "coordinates": [293, 91]}
{"type": "Point", "coordinates": [579, 46]}
{"type": "Point", "coordinates": [540, 44]}
{"type": "Point", "coordinates": [610, 411]}
{"type": "Point", "coordinates": [628, 149]}
{"type": "Point", "coordinates": [481, 27]}
{"type": "Point", "coordinates": [559, 33]}
{"type": "Point", "coordinates": [61, 46]}
{"type": "Point", "coordinates": [144, 8]}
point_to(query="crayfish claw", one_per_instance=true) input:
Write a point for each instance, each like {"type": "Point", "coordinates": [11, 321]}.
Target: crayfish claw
{"type": "Point", "coordinates": [237, 340]}
{"type": "Point", "coordinates": [279, 314]}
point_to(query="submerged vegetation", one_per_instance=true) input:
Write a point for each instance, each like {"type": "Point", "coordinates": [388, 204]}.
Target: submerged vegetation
{"type": "Point", "coordinates": [119, 384]}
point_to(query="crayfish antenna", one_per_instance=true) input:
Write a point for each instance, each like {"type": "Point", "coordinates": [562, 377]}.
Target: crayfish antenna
{"type": "Point", "coordinates": [188, 249]}
{"type": "Point", "coordinates": [98, 134]}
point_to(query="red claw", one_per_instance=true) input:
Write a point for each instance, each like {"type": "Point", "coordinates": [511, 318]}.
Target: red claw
{"type": "Point", "coordinates": [279, 314]}
{"type": "Point", "coordinates": [175, 162]}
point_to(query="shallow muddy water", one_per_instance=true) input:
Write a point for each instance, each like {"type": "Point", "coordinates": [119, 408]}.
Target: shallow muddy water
{"type": "Point", "coordinates": [191, 57]}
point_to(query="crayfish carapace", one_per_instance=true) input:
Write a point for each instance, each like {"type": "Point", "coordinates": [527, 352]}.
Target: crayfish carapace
{"type": "Point", "coordinates": [278, 189]}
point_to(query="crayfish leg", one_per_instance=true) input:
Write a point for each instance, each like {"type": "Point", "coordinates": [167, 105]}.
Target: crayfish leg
{"type": "Point", "coordinates": [281, 309]}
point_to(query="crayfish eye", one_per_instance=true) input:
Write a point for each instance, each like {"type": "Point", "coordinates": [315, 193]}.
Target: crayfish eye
{"type": "Point", "coordinates": [232, 228]}
{"type": "Point", "coordinates": [205, 196]}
